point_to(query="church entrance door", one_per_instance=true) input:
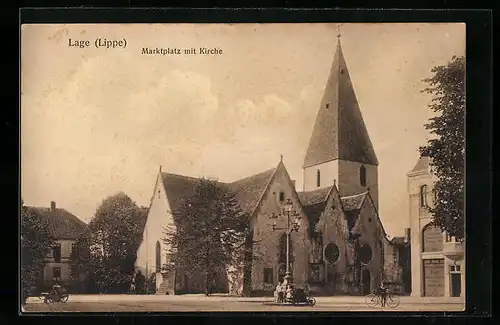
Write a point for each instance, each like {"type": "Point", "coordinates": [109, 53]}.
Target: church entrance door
{"type": "Point", "coordinates": [365, 282]}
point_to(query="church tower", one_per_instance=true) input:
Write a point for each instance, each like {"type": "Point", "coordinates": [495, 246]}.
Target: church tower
{"type": "Point", "coordinates": [340, 148]}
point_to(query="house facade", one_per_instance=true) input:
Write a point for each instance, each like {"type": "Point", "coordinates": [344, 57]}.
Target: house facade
{"type": "Point", "coordinates": [341, 243]}
{"type": "Point", "coordinates": [59, 267]}
{"type": "Point", "coordinates": [437, 259]}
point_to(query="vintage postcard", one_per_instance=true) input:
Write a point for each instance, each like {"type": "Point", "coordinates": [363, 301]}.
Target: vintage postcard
{"type": "Point", "coordinates": [243, 167]}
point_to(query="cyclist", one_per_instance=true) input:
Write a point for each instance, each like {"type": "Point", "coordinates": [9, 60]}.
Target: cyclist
{"type": "Point", "coordinates": [383, 292]}
{"type": "Point", "coordinates": [56, 290]}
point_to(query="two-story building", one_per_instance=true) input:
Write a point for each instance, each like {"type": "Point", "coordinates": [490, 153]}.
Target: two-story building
{"type": "Point", "coordinates": [65, 228]}
{"type": "Point", "coordinates": [437, 259]}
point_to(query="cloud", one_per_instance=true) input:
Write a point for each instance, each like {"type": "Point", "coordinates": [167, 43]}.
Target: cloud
{"type": "Point", "coordinates": [110, 125]}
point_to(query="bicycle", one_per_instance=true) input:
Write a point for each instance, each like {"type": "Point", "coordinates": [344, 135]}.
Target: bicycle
{"type": "Point", "coordinates": [374, 300]}
{"type": "Point", "coordinates": [54, 296]}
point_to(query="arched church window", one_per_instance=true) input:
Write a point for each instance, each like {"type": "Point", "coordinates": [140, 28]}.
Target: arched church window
{"type": "Point", "coordinates": [365, 253]}
{"type": "Point", "coordinates": [158, 256]}
{"type": "Point", "coordinates": [318, 178]}
{"type": "Point", "coordinates": [423, 196]}
{"type": "Point", "coordinates": [332, 253]}
{"type": "Point", "coordinates": [362, 175]}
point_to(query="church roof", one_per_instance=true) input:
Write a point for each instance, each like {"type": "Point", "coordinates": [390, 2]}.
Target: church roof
{"type": "Point", "coordinates": [177, 187]}
{"type": "Point", "coordinates": [353, 202]}
{"type": "Point", "coordinates": [62, 224]}
{"type": "Point", "coordinates": [314, 197]}
{"type": "Point", "coordinates": [339, 131]}
{"type": "Point", "coordinates": [422, 164]}
{"type": "Point", "coordinates": [247, 190]}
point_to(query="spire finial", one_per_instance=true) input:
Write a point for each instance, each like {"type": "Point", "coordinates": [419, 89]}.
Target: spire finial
{"type": "Point", "coordinates": [334, 182]}
{"type": "Point", "coordinates": [338, 31]}
{"type": "Point", "coordinates": [160, 168]}
{"type": "Point", "coordinates": [281, 157]}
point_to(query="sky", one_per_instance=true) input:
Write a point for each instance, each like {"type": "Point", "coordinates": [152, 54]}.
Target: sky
{"type": "Point", "coordinates": [97, 121]}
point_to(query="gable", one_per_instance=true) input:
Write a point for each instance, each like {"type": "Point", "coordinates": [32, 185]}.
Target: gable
{"type": "Point", "coordinates": [366, 218]}
{"type": "Point", "coordinates": [352, 208]}
{"type": "Point", "coordinates": [332, 220]}
{"type": "Point", "coordinates": [281, 182]}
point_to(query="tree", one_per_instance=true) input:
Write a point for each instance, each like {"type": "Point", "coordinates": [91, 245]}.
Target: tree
{"type": "Point", "coordinates": [108, 249]}
{"type": "Point", "coordinates": [36, 243]}
{"type": "Point", "coordinates": [210, 234]}
{"type": "Point", "coordinates": [447, 150]}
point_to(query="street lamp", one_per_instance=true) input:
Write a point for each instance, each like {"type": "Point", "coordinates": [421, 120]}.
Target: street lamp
{"type": "Point", "coordinates": [294, 225]}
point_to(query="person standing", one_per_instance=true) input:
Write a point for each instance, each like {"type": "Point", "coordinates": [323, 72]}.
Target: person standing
{"type": "Point", "coordinates": [140, 280]}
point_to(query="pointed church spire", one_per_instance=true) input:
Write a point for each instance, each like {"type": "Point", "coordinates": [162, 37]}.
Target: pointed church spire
{"type": "Point", "coordinates": [339, 131]}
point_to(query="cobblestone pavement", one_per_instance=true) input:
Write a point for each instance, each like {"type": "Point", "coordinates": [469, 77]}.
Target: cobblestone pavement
{"type": "Point", "coordinates": [200, 303]}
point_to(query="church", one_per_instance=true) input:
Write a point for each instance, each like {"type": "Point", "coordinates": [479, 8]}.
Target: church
{"type": "Point", "coordinates": [340, 247]}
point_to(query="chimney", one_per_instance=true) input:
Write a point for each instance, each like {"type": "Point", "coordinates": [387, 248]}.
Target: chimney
{"type": "Point", "coordinates": [293, 182]}
{"type": "Point", "coordinates": [407, 235]}
{"type": "Point", "coordinates": [52, 206]}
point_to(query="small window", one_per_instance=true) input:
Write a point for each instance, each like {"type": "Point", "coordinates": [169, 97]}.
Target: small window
{"type": "Point", "coordinates": [74, 250]}
{"type": "Point", "coordinates": [362, 176]}
{"type": "Point", "coordinates": [159, 193]}
{"type": "Point", "coordinates": [327, 106]}
{"type": "Point", "coordinates": [318, 178]}
{"type": "Point", "coordinates": [56, 252]}
{"type": "Point", "coordinates": [268, 275]}
{"type": "Point", "coordinates": [56, 273]}
{"type": "Point", "coordinates": [341, 70]}
{"type": "Point", "coordinates": [369, 219]}
{"type": "Point", "coordinates": [423, 196]}
{"type": "Point", "coordinates": [282, 197]}
{"type": "Point", "coordinates": [457, 268]}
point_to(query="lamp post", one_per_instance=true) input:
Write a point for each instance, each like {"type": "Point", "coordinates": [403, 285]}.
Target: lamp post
{"type": "Point", "coordinates": [294, 225]}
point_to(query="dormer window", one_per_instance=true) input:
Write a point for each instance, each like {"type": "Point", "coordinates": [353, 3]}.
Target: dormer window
{"type": "Point", "coordinates": [423, 196]}
{"type": "Point", "coordinates": [362, 176]}
{"type": "Point", "coordinates": [318, 178]}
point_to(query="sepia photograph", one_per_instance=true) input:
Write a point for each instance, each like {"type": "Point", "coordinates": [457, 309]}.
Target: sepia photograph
{"type": "Point", "coordinates": [221, 167]}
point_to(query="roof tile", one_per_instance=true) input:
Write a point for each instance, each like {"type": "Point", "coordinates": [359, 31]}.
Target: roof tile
{"type": "Point", "coordinates": [314, 197]}
{"type": "Point", "coordinates": [353, 202]}
{"type": "Point", "coordinates": [62, 224]}
{"type": "Point", "coordinates": [339, 131]}
{"type": "Point", "coordinates": [247, 190]}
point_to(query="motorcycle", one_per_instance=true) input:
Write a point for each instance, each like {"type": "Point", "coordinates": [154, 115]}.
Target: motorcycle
{"type": "Point", "coordinates": [54, 295]}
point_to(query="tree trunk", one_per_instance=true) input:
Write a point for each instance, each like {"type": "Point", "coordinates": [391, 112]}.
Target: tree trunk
{"type": "Point", "coordinates": [207, 270]}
